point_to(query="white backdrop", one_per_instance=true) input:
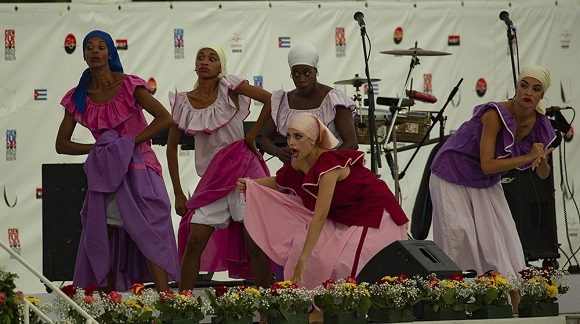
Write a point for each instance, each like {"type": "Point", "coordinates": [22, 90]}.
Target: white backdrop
{"type": "Point", "coordinates": [36, 71]}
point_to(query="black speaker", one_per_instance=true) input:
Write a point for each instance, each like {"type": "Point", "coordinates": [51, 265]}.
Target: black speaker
{"type": "Point", "coordinates": [411, 258]}
{"type": "Point", "coordinates": [64, 187]}
{"type": "Point", "coordinates": [533, 207]}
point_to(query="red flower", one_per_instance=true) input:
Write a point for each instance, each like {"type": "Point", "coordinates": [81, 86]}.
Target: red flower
{"type": "Point", "coordinates": [137, 288]}
{"type": "Point", "coordinates": [187, 293]}
{"type": "Point", "coordinates": [402, 278]}
{"type": "Point", "coordinates": [526, 273]}
{"type": "Point", "coordinates": [2, 297]}
{"type": "Point", "coordinates": [88, 299]}
{"type": "Point", "coordinates": [69, 290]}
{"type": "Point", "coordinates": [433, 281]}
{"type": "Point", "coordinates": [350, 279]}
{"type": "Point", "coordinates": [328, 283]}
{"type": "Point", "coordinates": [220, 291]}
{"type": "Point", "coordinates": [115, 297]}
{"type": "Point", "coordinates": [456, 277]}
{"type": "Point", "coordinates": [90, 290]}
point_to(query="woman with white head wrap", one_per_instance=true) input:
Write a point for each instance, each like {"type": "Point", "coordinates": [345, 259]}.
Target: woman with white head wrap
{"type": "Point", "coordinates": [213, 112]}
{"type": "Point", "coordinates": [333, 107]}
{"type": "Point", "coordinates": [341, 217]}
{"type": "Point", "coordinates": [472, 221]}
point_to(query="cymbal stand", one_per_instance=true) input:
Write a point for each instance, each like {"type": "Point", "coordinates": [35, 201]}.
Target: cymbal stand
{"type": "Point", "coordinates": [395, 167]}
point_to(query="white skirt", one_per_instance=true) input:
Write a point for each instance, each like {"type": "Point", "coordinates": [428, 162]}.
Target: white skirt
{"type": "Point", "coordinates": [475, 227]}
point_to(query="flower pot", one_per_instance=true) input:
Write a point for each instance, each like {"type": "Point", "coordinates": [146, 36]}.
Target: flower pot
{"type": "Point", "coordinates": [492, 311]}
{"type": "Point", "coordinates": [392, 315]}
{"type": "Point", "coordinates": [231, 320]}
{"type": "Point", "coordinates": [294, 319]}
{"type": "Point", "coordinates": [538, 310]}
{"type": "Point", "coordinates": [344, 318]}
{"type": "Point", "coordinates": [181, 321]}
{"type": "Point", "coordinates": [443, 314]}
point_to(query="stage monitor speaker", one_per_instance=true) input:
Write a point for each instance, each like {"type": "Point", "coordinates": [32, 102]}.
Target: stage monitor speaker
{"type": "Point", "coordinates": [533, 207]}
{"type": "Point", "coordinates": [63, 192]}
{"type": "Point", "coordinates": [411, 258]}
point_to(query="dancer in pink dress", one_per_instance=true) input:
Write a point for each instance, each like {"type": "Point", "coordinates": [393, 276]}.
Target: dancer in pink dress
{"type": "Point", "coordinates": [333, 107]}
{"type": "Point", "coordinates": [213, 112]}
{"type": "Point", "coordinates": [340, 217]}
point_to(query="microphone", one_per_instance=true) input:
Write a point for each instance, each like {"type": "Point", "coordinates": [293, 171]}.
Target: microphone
{"type": "Point", "coordinates": [358, 16]}
{"type": "Point", "coordinates": [505, 16]}
{"type": "Point", "coordinates": [551, 111]}
{"type": "Point", "coordinates": [421, 96]}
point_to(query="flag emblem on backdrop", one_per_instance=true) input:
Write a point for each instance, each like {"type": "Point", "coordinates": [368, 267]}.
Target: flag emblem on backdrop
{"type": "Point", "coordinates": [427, 83]}
{"type": "Point", "coordinates": [178, 44]}
{"type": "Point", "coordinates": [375, 88]}
{"type": "Point", "coordinates": [481, 87]}
{"type": "Point", "coordinates": [453, 40]}
{"type": "Point", "coordinates": [14, 240]}
{"type": "Point", "coordinates": [9, 45]}
{"type": "Point", "coordinates": [284, 41]}
{"type": "Point", "coordinates": [565, 39]}
{"type": "Point", "coordinates": [122, 44]}
{"type": "Point", "coordinates": [10, 147]}
{"type": "Point", "coordinates": [40, 94]}
{"type": "Point", "coordinates": [340, 42]}
{"type": "Point", "coordinates": [70, 43]}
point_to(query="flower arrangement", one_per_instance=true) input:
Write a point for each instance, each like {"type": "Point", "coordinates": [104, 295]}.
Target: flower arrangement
{"type": "Point", "coordinates": [541, 285]}
{"type": "Point", "coordinates": [451, 294]}
{"type": "Point", "coordinates": [491, 289]}
{"type": "Point", "coordinates": [9, 312]}
{"type": "Point", "coordinates": [185, 305]}
{"type": "Point", "coordinates": [396, 293]}
{"type": "Point", "coordinates": [234, 303]}
{"type": "Point", "coordinates": [342, 296]}
{"type": "Point", "coordinates": [285, 300]}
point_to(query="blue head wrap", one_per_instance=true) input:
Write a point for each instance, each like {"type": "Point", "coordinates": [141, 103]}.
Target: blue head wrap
{"type": "Point", "coordinates": [80, 94]}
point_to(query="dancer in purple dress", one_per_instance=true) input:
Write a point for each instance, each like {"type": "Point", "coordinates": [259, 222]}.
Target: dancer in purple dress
{"type": "Point", "coordinates": [127, 232]}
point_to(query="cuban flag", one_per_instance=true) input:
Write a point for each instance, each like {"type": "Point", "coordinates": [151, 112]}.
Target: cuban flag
{"type": "Point", "coordinates": [40, 94]}
{"type": "Point", "coordinates": [284, 41]}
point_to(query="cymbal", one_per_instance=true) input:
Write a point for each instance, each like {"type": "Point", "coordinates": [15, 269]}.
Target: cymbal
{"type": "Point", "coordinates": [355, 82]}
{"type": "Point", "coordinates": [415, 51]}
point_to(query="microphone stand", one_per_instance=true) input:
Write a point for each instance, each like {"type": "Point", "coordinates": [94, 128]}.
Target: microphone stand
{"type": "Point", "coordinates": [439, 118]}
{"type": "Point", "coordinates": [511, 35]}
{"type": "Point", "coordinates": [375, 157]}
{"type": "Point", "coordinates": [395, 167]}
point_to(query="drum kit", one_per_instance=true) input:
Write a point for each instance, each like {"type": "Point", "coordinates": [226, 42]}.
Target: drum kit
{"type": "Point", "coordinates": [413, 126]}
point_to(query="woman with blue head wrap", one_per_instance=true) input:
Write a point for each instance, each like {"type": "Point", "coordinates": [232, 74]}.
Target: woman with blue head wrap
{"type": "Point", "coordinates": [127, 232]}
{"type": "Point", "coordinates": [214, 112]}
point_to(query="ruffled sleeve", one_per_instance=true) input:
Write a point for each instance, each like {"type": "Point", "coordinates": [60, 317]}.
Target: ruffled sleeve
{"type": "Point", "coordinates": [213, 117]}
{"type": "Point", "coordinates": [328, 161]}
{"type": "Point", "coordinates": [337, 98]}
{"type": "Point", "coordinates": [505, 148]}
{"type": "Point", "coordinates": [108, 115]}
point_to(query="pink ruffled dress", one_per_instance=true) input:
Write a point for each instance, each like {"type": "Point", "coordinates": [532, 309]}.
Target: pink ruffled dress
{"type": "Point", "coordinates": [221, 157]}
{"type": "Point", "coordinates": [282, 114]}
{"type": "Point", "coordinates": [364, 217]}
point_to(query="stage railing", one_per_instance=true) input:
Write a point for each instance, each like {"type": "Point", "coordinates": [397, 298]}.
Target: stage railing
{"type": "Point", "coordinates": [28, 305]}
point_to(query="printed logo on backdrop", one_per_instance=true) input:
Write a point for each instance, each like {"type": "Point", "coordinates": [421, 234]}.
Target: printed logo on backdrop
{"type": "Point", "coordinates": [14, 241]}
{"type": "Point", "coordinates": [565, 38]}
{"type": "Point", "coordinates": [40, 94]}
{"type": "Point", "coordinates": [398, 35]}
{"type": "Point", "coordinates": [178, 44]}
{"type": "Point", "coordinates": [10, 145]}
{"type": "Point", "coordinates": [8, 201]}
{"type": "Point", "coordinates": [122, 44]}
{"type": "Point", "coordinates": [481, 87]}
{"type": "Point", "coordinates": [152, 83]}
{"type": "Point", "coordinates": [258, 82]}
{"type": "Point", "coordinates": [10, 45]}
{"type": "Point", "coordinates": [375, 89]}
{"type": "Point", "coordinates": [284, 41]}
{"type": "Point", "coordinates": [427, 85]}
{"type": "Point", "coordinates": [340, 41]}
{"type": "Point", "coordinates": [38, 193]}
{"type": "Point", "coordinates": [70, 43]}
{"type": "Point", "coordinates": [453, 40]}
{"type": "Point", "coordinates": [236, 43]}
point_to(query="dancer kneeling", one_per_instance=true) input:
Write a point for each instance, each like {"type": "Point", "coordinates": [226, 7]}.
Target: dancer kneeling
{"type": "Point", "coordinates": [340, 217]}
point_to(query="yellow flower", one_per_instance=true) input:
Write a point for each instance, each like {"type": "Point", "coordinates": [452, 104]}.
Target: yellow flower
{"type": "Point", "coordinates": [252, 291]}
{"type": "Point", "coordinates": [32, 300]}
{"type": "Point", "coordinates": [147, 309]}
{"type": "Point", "coordinates": [389, 278]}
{"type": "Point", "coordinates": [551, 290]}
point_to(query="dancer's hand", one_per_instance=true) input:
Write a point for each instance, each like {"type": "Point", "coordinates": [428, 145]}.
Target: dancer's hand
{"type": "Point", "coordinates": [241, 184]}
{"type": "Point", "coordinates": [180, 200]}
{"type": "Point", "coordinates": [299, 273]}
{"type": "Point", "coordinates": [284, 154]}
{"type": "Point", "coordinates": [542, 158]}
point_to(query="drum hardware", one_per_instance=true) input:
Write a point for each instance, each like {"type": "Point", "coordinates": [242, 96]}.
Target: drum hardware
{"type": "Point", "coordinates": [414, 52]}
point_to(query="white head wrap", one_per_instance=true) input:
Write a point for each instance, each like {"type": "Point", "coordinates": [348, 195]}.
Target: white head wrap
{"type": "Point", "coordinates": [305, 54]}
{"type": "Point", "coordinates": [312, 127]}
{"type": "Point", "coordinates": [539, 73]}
